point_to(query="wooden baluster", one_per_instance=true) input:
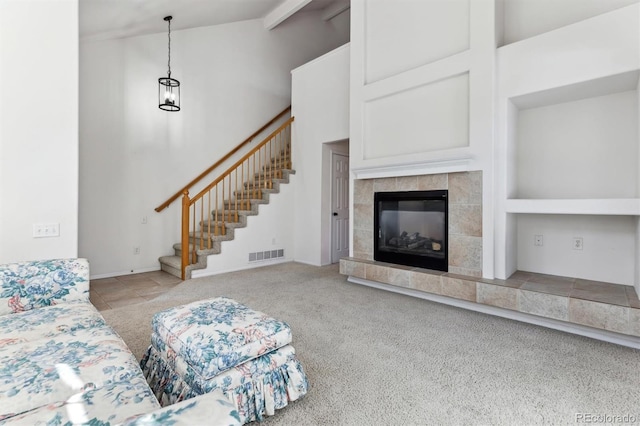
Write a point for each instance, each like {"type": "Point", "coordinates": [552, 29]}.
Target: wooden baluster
{"type": "Point", "coordinates": [193, 250]}
{"type": "Point", "coordinates": [224, 219]}
{"type": "Point", "coordinates": [288, 144]}
{"type": "Point", "coordinates": [201, 232]}
{"type": "Point", "coordinates": [242, 181]}
{"type": "Point", "coordinates": [282, 164]}
{"type": "Point", "coordinates": [285, 152]}
{"type": "Point", "coordinates": [215, 219]}
{"type": "Point", "coordinates": [263, 160]}
{"type": "Point", "coordinates": [270, 164]}
{"type": "Point", "coordinates": [230, 194]}
{"type": "Point", "coordinates": [276, 159]}
{"type": "Point", "coordinates": [236, 190]}
{"type": "Point", "coordinates": [209, 220]}
{"type": "Point", "coordinates": [249, 178]}
{"type": "Point", "coordinates": [279, 168]}
{"type": "Point", "coordinates": [185, 233]}
{"type": "Point", "coordinates": [253, 175]}
{"type": "Point", "coordinates": [272, 143]}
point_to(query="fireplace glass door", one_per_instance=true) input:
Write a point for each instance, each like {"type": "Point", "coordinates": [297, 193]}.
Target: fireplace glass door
{"type": "Point", "coordinates": [411, 228]}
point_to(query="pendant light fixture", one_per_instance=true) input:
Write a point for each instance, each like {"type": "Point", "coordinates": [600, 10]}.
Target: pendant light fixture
{"type": "Point", "coordinates": [169, 88]}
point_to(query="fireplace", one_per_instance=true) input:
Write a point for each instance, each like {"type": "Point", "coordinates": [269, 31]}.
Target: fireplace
{"type": "Point", "coordinates": [411, 228]}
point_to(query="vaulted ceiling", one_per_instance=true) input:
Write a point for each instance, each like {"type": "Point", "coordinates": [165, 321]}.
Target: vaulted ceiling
{"type": "Point", "coordinates": [104, 19]}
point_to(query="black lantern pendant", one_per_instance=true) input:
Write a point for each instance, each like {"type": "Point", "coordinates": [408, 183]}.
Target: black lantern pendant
{"type": "Point", "coordinates": [169, 88]}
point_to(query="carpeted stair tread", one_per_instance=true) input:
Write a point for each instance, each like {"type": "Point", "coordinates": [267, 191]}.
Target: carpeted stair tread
{"type": "Point", "coordinates": [223, 237]}
{"type": "Point", "coordinates": [173, 266]}
{"type": "Point", "coordinates": [251, 194]}
{"type": "Point", "coordinates": [173, 261]}
{"type": "Point", "coordinates": [215, 249]}
{"type": "Point", "coordinates": [227, 224]}
{"type": "Point", "coordinates": [270, 182]}
{"type": "Point", "coordinates": [241, 205]}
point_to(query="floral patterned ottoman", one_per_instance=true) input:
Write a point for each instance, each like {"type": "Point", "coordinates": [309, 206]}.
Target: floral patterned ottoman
{"type": "Point", "coordinates": [219, 344]}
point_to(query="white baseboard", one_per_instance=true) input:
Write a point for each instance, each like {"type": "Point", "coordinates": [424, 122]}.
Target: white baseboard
{"type": "Point", "coordinates": [304, 262]}
{"type": "Point", "coordinates": [582, 330]}
{"type": "Point", "coordinates": [129, 272]}
{"type": "Point", "coordinates": [198, 273]}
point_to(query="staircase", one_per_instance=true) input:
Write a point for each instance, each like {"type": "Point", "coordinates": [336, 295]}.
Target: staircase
{"type": "Point", "coordinates": [214, 232]}
{"type": "Point", "coordinates": [211, 217]}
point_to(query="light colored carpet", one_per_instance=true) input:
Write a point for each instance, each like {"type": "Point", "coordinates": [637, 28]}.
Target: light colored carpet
{"type": "Point", "coordinates": [374, 357]}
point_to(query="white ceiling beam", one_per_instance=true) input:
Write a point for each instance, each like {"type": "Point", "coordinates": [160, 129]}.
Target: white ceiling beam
{"type": "Point", "coordinates": [282, 12]}
{"type": "Point", "coordinates": [335, 9]}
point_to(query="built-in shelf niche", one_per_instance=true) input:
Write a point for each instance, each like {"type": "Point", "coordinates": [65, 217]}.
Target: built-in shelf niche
{"type": "Point", "coordinates": [577, 142]}
{"type": "Point", "coordinates": [574, 171]}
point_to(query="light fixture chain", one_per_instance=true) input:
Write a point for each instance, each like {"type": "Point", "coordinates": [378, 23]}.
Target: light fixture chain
{"type": "Point", "coordinates": [169, 62]}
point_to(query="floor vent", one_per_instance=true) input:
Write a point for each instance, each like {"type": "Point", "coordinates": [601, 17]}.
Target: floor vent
{"type": "Point", "coordinates": [260, 256]}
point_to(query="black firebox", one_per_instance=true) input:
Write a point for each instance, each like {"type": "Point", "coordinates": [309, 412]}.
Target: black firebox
{"type": "Point", "coordinates": [411, 228]}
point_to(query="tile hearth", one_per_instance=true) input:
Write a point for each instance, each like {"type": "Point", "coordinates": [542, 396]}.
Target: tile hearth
{"type": "Point", "coordinates": [576, 288]}
{"type": "Point", "coordinates": [599, 305]}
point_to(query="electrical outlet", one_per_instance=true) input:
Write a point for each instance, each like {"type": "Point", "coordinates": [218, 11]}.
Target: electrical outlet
{"type": "Point", "coordinates": [136, 250]}
{"type": "Point", "coordinates": [537, 240]}
{"type": "Point", "coordinates": [577, 243]}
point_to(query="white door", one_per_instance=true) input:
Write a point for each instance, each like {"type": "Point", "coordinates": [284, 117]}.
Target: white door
{"type": "Point", "coordinates": [339, 207]}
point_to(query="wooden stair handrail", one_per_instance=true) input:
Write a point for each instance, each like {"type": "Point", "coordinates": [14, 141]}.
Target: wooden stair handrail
{"type": "Point", "coordinates": [240, 161]}
{"type": "Point", "coordinates": [220, 161]}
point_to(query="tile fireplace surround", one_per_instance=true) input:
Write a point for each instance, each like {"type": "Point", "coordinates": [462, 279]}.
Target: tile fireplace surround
{"type": "Point", "coordinates": [541, 299]}
{"type": "Point", "coordinates": [465, 215]}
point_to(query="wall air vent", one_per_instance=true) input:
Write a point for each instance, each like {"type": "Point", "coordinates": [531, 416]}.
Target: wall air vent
{"type": "Point", "coordinates": [260, 256]}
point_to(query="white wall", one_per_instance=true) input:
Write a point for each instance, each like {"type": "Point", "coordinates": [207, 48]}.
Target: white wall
{"type": "Point", "coordinates": [234, 78]}
{"type": "Point", "coordinates": [422, 95]}
{"type": "Point", "coordinates": [38, 128]}
{"type": "Point", "coordinates": [527, 18]}
{"type": "Point", "coordinates": [428, 118]}
{"type": "Point", "coordinates": [602, 46]}
{"type": "Point", "coordinates": [608, 246]}
{"type": "Point", "coordinates": [580, 149]}
{"type": "Point", "coordinates": [637, 261]}
{"type": "Point", "coordinates": [320, 103]}
{"type": "Point", "coordinates": [439, 28]}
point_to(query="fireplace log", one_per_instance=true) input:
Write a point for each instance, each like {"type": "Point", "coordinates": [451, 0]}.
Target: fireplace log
{"type": "Point", "coordinates": [417, 244]}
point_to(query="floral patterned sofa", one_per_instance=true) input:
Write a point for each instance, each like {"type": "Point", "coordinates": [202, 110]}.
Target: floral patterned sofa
{"type": "Point", "coordinates": [60, 363]}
